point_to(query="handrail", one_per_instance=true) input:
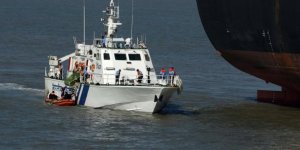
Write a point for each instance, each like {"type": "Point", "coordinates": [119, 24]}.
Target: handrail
{"type": "Point", "coordinates": [98, 78]}
{"type": "Point", "coordinates": [130, 80]}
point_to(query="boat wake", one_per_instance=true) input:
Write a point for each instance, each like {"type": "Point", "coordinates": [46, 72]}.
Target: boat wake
{"type": "Point", "coordinates": [18, 87]}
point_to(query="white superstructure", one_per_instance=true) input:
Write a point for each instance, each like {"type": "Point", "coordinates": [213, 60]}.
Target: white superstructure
{"type": "Point", "coordinates": [107, 73]}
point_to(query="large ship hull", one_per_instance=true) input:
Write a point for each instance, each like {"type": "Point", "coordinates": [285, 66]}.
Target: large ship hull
{"type": "Point", "coordinates": [260, 37]}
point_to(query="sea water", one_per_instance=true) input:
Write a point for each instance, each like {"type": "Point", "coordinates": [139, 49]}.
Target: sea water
{"type": "Point", "coordinates": [217, 109]}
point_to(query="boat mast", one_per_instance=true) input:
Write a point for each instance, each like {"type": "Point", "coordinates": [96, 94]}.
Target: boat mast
{"type": "Point", "coordinates": [112, 13]}
{"type": "Point", "coordinates": [131, 19]}
{"type": "Point", "coordinates": [84, 24]}
{"type": "Point", "coordinates": [83, 21]}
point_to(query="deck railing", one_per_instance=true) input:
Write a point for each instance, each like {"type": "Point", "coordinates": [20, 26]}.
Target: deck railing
{"type": "Point", "coordinates": [129, 80]}
{"type": "Point", "coordinates": [111, 79]}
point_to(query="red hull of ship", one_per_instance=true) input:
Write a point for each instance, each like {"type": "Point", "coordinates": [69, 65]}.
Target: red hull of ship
{"type": "Point", "coordinates": [282, 69]}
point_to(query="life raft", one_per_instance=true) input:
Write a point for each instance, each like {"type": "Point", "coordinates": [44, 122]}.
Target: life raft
{"type": "Point", "coordinates": [61, 102]}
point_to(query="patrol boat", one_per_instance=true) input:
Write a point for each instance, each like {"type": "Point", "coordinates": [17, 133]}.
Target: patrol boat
{"type": "Point", "coordinates": [113, 72]}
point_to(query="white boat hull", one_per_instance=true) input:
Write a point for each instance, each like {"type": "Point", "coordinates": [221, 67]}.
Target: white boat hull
{"type": "Point", "coordinates": [150, 99]}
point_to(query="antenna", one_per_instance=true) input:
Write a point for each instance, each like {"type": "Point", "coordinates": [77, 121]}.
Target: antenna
{"type": "Point", "coordinates": [131, 18]}
{"type": "Point", "coordinates": [84, 22]}
{"type": "Point", "coordinates": [75, 41]}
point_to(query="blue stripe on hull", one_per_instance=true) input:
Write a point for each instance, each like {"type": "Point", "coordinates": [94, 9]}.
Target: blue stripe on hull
{"type": "Point", "coordinates": [84, 94]}
{"type": "Point", "coordinates": [78, 94]}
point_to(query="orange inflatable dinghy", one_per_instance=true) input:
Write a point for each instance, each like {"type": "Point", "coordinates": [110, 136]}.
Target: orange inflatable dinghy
{"type": "Point", "coordinates": [61, 102]}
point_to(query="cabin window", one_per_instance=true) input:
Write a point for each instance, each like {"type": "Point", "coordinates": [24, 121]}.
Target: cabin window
{"type": "Point", "coordinates": [134, 57]}
{"type": "Point", "coordinates": [120, 56]}
{"type": "Point", "coordinates": [106, 56]}
{"type": "Point", "coordinates": [147, 57]}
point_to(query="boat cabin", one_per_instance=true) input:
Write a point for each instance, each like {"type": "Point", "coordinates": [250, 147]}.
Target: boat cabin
{"type": "Point", "coordinates": [99, 64]}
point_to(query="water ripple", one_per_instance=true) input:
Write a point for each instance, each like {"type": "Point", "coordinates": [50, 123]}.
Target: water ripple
{"type": "Point", "coordinates": [19, 87]}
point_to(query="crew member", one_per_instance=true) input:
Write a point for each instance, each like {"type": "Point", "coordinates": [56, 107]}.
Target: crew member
{"type": "Point", "coordinates": [52, 96]}
{"type": "Point", "coordinates": [127, 42]}
{"type": "Point", "coordinates": [68, 93]}
{"type": "Point", "coordinates": [104, 40]}
{"type": "Point", "coordinates": [81, 71]}
{"type": "Point", "coordinates": [118, 76]}
{"type": "Point", "coordinates": [86, 74]}
{"type": "Point", "coordinates": [76, 67]}
{"type": "Point", "coordinates": [60, 68]}
{"type": "Point", "coordinates": [172, 73]}
{"type": "Point", "coordinates": [140, 75]}
{"type": "Point", "coordinates": [163, 73]}
{"type": "Point", "coordinates": [91, 72]}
